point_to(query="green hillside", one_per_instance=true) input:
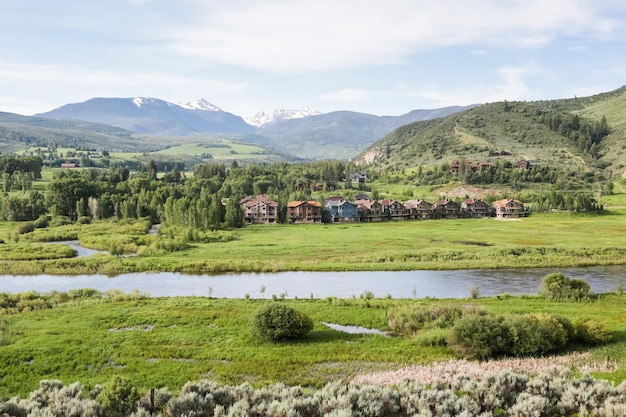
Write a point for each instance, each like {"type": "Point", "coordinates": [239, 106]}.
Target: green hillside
{"type": "Point", "coordinates": [218, 150]}
{"type": "Point", "coordinates": [26, 133]}
{"type": "Point", "coordinates": [19, 132]}
{"type": "Point", "coordinates": [567, 133]}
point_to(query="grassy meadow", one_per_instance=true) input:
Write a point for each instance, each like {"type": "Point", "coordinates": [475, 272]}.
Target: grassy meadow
{"type": "Point", "coordinates": [541, 240]}
{"type": "Point", "coordinates": [159, 342]}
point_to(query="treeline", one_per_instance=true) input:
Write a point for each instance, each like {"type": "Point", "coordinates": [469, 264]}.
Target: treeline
{"type": "Point", "coordinates": [208, 199]}
{"type": "Point", "coordinates": [19, 172]}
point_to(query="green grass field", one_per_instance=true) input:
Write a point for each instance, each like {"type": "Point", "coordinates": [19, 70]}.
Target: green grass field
{"type": "Point", "coordinates": [166, 342]}
{"type": "Point", "coordinates": [542, 240]}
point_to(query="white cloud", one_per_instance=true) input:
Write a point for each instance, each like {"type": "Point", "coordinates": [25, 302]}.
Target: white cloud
{"type": "Point", "coordinates": [511, 84]}
{"type": "Point", "coordinates": [298, 35]}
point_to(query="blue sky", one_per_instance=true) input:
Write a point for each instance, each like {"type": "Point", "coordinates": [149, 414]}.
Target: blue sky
{"type": "Point", "coordinates": [373, 56]}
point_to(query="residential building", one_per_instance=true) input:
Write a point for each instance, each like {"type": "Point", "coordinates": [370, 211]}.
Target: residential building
{"type": "Point", "coordinates": [358, 178]}
{"type": "Point", "coordinates": [259, 209]}
{"type": "Point", "coordinates": [419, 209]}
{"type": "Point", "coordinates": [304, 212]}
{"type": "Point", "coordinates": [509, 208]}
{"type": "Point", "coordinates": [446, 209]}
{"type": "Point", "coordinates": [393, 209]}
{"type": "Point", "coordinates": [370, 210]}
{"type": "Point", "coordinates": [475, 208]}
{"type": "Point", "coordinates": [340, 210]}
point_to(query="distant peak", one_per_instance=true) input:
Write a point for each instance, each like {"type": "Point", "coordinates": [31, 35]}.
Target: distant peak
{"type": "Point", "coordinates": [263, 118]}
{"type": "Point", "coordinates": [200, 104]}
{"type": "Point", "coordinates": [154, 102]}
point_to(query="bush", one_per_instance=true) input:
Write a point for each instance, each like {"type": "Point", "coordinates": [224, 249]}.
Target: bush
{"type": "Point", "coordinates": [277, 322]}
{"type": "Point", "coordinates": [118, 397]}
{"type": "Point", "coordinates": [41, 222]}
{"type": "Point", "coordinates": [536, 334]}
{"type": "Point", "coordinates": [559, 287]}
{"type": "Point", "coordinates": [409, 320]}
{"type": "Point", "coordinates": [60, 221]}
{"type": "Point", "coordinates": [84, 220]}
{"type": "Point", "coordinates": [591, 331]}
{"type": "Point", "coordinates": [480, 336]}
{"type": "Point", "coordinates": [26, 228]}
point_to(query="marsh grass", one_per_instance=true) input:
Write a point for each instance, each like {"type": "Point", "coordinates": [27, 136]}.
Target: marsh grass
{"type": "Point", "coordinates": [169, 341]}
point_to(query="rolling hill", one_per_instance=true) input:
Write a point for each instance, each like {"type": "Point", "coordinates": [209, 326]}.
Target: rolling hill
{"type": "Point", "coordinates": [567, 132]}
{"type": "Point", "coordinates": [18, 132]}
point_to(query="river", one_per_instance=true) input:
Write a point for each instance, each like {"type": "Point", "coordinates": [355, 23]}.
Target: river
{"type": "Point", "coordinates": [400, 284]}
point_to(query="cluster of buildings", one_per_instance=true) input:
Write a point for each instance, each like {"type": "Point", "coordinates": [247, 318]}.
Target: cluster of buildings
{"type": "Point", "coordinates": [261, 209]}
{"type": "Point", "coordinates": [484, 166]}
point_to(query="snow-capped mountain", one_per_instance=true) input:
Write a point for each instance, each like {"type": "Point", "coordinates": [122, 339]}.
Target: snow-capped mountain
{"type": "Point", "coordinates": [200, 104]}
{"type": "Point", "coordinates": [153, 116]}
{"type": "Point", "coordinates": [263, 118]}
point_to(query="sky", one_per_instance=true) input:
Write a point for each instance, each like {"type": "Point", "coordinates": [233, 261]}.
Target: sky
{"type": "Point", "coordinates": [383, 57]}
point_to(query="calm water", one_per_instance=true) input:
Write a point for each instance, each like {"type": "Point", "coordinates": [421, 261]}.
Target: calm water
{"type": "Point", "coordinates": [405, 284]}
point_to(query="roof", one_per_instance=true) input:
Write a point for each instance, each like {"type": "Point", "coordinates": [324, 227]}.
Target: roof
{"type": "Point", "coordinates": [299, 203]}
{"type": "Point", "coordinates": [339, 203]}
{"type": "Point", "coordinates": [504, 202]}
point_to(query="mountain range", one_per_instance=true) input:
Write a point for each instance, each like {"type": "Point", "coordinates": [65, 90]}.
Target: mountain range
{"type": "Point", "coordinates": [557, 132]}
{"type": "Point", "coordinates": [303, 133]}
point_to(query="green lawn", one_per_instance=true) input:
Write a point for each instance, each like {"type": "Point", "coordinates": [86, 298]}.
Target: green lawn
{"type": "Point", "coordinates": [166, 342]}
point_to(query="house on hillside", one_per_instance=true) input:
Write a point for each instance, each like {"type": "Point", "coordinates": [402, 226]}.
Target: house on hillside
{"type": "Point", "coordinates": [509, 208]}
{"type": "Point", "coordinates": [524, 164]}
{"type": "Point", "coordinates": [342, 210]}
{"type": "Point", "coordinates": [475, 208]}
{"type": "Point", "coordinates": [304, 212]}
{"type": "Point", "coordinates": [259, 209]}
{"type": "Point", "coordinates": [358, 178]}
{"type": "Point", "coordinates": [369, 210]}
{"type": "Point", "coordinates": [446, 209]}
{"type": "Point", "coordinates": [419, 209]}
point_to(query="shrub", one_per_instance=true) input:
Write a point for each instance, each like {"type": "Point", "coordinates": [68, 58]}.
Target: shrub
{"type": "Point", "coordinates": [60, 221]}
{"type": "Point", "coordinates": [555, 286]}
{"type": "Point", "coordinates": [84, 220]}
{"type": "Point", "coordinates": [579, 289]}
{"type": "Point", "coordinates": [41, 222]}
{"type": "Point", "coordinates": [559, 287]}
{"type": "Point", "coordinates": [411, 319]}
{"type": "Point", "coordinates": [480, 336]}
{"type": "Point", "coordinates": [536, 334]}
{"type": "Point", "coordinates": [26, 228]}
{"type": "Point", "coordinates": [591, 331]}
{"type": "Point", "coordinates": [84, 293]}
{"type": "Point", "coordinates": [118, 397]}
{"type": "Point", "coordinates": [277, 322]}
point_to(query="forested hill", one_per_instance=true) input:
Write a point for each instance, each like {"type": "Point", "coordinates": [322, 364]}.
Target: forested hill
{"type": "Point", "coordinates": [578, 132]}
{"type": "Point", "coordinates": [17, 131]}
